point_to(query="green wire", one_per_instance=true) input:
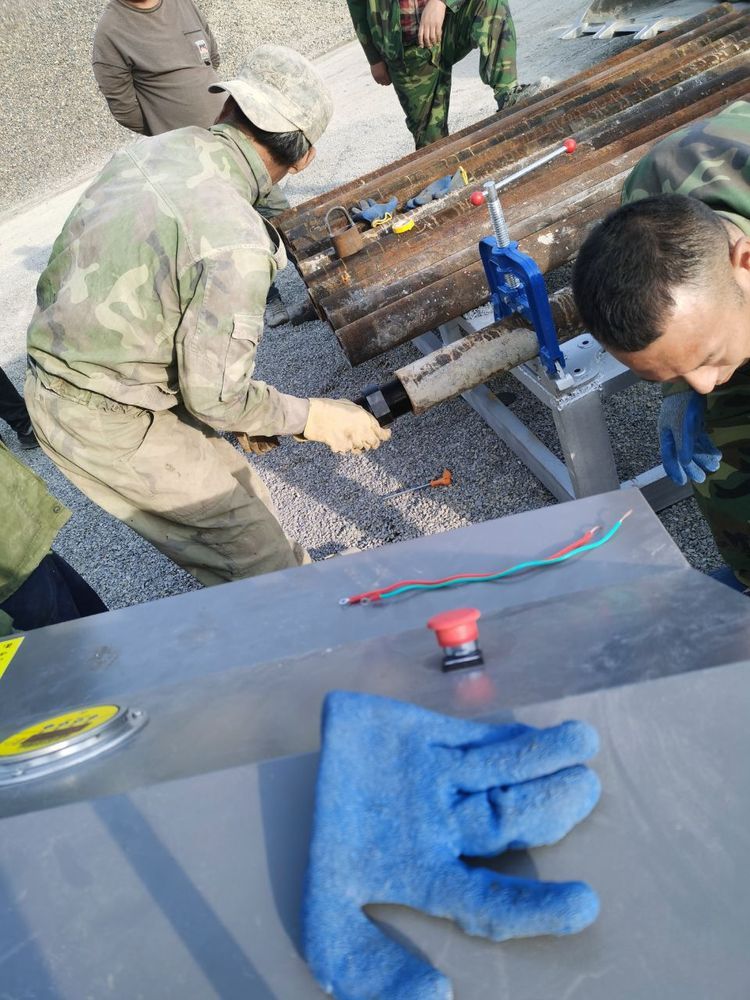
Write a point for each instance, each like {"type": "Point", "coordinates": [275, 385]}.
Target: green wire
{"type": "Point", "coordinates": [507, 572]}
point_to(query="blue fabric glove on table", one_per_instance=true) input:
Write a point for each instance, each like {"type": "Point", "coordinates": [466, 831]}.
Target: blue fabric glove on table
{"type": "Point", "coordinates": [374, 212]}
{"type": "Point", "coordinates": [439, 188]}
{"type": "Point", "coordinates": [403, 793]}
{"type": "Point", "coordinates": [687, 452]}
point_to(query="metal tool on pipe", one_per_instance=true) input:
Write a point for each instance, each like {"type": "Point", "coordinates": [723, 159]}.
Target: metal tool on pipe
{"type": "Point", "coordinates": [569, 146]}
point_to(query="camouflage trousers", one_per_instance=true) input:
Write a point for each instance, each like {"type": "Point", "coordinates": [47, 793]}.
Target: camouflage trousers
{"type": "Point", "coordinates": [423, 80]}
{"type": "Point", "coordinates": [172, 479]}
{"type": "Point", "coordinates": [724, 498]}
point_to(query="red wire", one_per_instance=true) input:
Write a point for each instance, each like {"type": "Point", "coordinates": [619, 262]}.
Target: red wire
{"type": "Point", "coordinates": [584, 540]}
{"type": "Point", "coordinates": [374, 595]}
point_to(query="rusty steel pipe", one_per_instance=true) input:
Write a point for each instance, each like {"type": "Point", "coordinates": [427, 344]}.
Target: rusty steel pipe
{"type": "Point", "coordinates": [568, 117]}
{"type": "Point", "coordinates": [427, 306]}
{"type": "Point", "coordinates": [454, 220]}
{"type": "Point", "coordinates": [532, 216]}
{"type": "Point", "coordinates": [305, 237]}
{"type": "Point", "coordinates": [469, 362]}
{"type": "Point", "coordinates": [443, 154]}
{"type": "Point", "coordinates": [687, 102]}
{"type": "Point", "coordinates": [325, 275]}
{"type": "Point", "coordinates": [456, 294]}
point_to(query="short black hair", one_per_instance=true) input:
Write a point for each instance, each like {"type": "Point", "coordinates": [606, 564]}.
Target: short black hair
{"type": "Point", "coordinates": [287, 148]}
{"type": "Point", "coordinates": [631, 262]}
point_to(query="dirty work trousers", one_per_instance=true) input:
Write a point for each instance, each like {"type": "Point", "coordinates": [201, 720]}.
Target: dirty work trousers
{"type": "Point", "coordinates": [12, 406]}
{"type": "Point", "coordinates": [53, 593]}
{"type": "Point", "coordinates": [724, 497]}
{"type": "Point", "coordinates": [423, 80]}
{"type": "Point", "coordinates": [166, 475]}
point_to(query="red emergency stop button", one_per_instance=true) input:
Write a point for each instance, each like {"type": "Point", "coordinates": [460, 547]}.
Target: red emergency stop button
{"type": "Point", "coordinates": [454, 628]}
{"type": "Point", "coordinates": [457, 633]}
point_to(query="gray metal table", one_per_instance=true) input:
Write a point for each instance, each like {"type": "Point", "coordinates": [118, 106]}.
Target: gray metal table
{"type": "Point", "coordinates": [172, 866]}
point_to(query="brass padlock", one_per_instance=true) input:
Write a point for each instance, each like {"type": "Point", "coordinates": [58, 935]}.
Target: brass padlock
{"type": "Point", "coordinates": [347, 240]}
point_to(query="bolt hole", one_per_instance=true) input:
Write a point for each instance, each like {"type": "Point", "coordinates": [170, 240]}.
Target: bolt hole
{"type": "Point", "coordinates": [577, 371]}
{"type": "Point", "coordinates": [585, 343]}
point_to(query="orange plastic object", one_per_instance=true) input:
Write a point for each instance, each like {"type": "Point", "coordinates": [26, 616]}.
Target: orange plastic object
{"type": "Point", "coordinates": [444, 480]}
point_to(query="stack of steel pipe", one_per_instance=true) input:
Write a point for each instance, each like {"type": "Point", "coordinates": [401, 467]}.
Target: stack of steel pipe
{"type": "Point", "coordinates": [401, 285]}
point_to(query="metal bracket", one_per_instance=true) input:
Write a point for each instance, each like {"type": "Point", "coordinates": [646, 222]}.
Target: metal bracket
{"type": "Point", "coordinates": [527, 295]}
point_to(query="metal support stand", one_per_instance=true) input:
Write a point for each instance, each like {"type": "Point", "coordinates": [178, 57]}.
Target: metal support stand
{"type": "Point", "coordinates": [592, 375]}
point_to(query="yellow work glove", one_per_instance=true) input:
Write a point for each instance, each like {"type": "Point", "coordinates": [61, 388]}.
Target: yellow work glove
{"type": "Point", "coordinates": [343, 426]}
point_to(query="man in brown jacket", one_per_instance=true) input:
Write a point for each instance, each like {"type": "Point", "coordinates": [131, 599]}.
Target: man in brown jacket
{"type": "Point", "coordinates": [154, 61]}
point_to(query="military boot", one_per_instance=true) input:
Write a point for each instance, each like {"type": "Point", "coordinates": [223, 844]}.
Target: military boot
{"type": "Point", "coordinates": [521, 91]}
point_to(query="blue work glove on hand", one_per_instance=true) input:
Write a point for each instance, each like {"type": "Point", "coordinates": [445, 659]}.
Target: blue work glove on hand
{"type": "Point", "coordinates": [403, 793]}
{"type": "Point", "coordinates": [373, 212]}
{"type": "Point", "coordinates": [687, 452]}
{"type": "Point", "coordinates": [439, 188]}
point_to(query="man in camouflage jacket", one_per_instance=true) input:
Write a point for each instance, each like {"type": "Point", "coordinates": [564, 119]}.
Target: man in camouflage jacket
{"type": "Point", "coordinates": [142, 347]}
{"type": "Point", "coordinates": [414, 45]}
{"type": "Point", "coordinates": [664, 284]}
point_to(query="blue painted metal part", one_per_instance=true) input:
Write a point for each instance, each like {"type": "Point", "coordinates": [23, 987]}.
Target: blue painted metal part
{"type": "Point", "coordinates": [529, 298]}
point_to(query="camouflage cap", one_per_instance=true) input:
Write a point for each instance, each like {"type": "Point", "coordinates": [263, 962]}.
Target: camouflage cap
{"type": "Point", "coordinates": [279, 90]}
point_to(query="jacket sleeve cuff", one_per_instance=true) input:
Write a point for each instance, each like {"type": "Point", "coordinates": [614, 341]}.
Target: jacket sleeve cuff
{"type": "Point", "coordinates": [277, 415]}
{"type": "Point", "coordinates": [373, 56]}
{"type": "Point", "coordinates": [296, 411]}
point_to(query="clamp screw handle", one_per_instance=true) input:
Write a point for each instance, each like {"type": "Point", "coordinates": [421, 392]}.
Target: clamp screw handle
{"type": "Point", "coordinates": [568, 146]}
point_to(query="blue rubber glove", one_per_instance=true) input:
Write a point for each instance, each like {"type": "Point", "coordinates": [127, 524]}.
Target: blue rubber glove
{"type": "Point", "coordinates": [687, 452]}
{"type": "Point", "coordinates": [403, 793]}
{"type": "Point", "coordinates": [439, 188]}
{"type": "Point", "coordinates": [374, 212]}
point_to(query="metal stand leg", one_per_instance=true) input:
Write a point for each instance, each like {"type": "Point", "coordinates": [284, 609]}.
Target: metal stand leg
{"type": "Point", "coordinates": [585, 443]}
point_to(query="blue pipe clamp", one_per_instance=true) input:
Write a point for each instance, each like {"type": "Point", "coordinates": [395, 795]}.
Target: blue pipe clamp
{"type": "Point", "coordinates": [528, 296]}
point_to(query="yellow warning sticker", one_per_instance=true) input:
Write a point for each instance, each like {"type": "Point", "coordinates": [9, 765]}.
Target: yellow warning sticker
{"type": "Point", "coordinates": [46, 733]}
{"type": "Point", "coordinates": [8, 649]}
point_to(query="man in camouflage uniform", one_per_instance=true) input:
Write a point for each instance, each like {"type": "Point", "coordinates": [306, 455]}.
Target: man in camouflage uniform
{"type": "Point", "coordinates": [414, 44]}
{"type": "Point", "coordinates": [149, 314]}
{"type": "Point", "coordinates": [664, 284]}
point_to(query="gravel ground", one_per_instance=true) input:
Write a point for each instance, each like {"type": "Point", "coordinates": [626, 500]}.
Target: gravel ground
{"type": "Point", "coordinates": [330, 503]}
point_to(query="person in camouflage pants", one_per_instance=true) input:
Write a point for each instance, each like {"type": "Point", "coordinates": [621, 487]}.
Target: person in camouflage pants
{"type": "Point", "coordinates": [664, 284]}
{"type": "Point", "coordinates": [149, 313]}
{"type": "Point", "coordinates": [414, 44]}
